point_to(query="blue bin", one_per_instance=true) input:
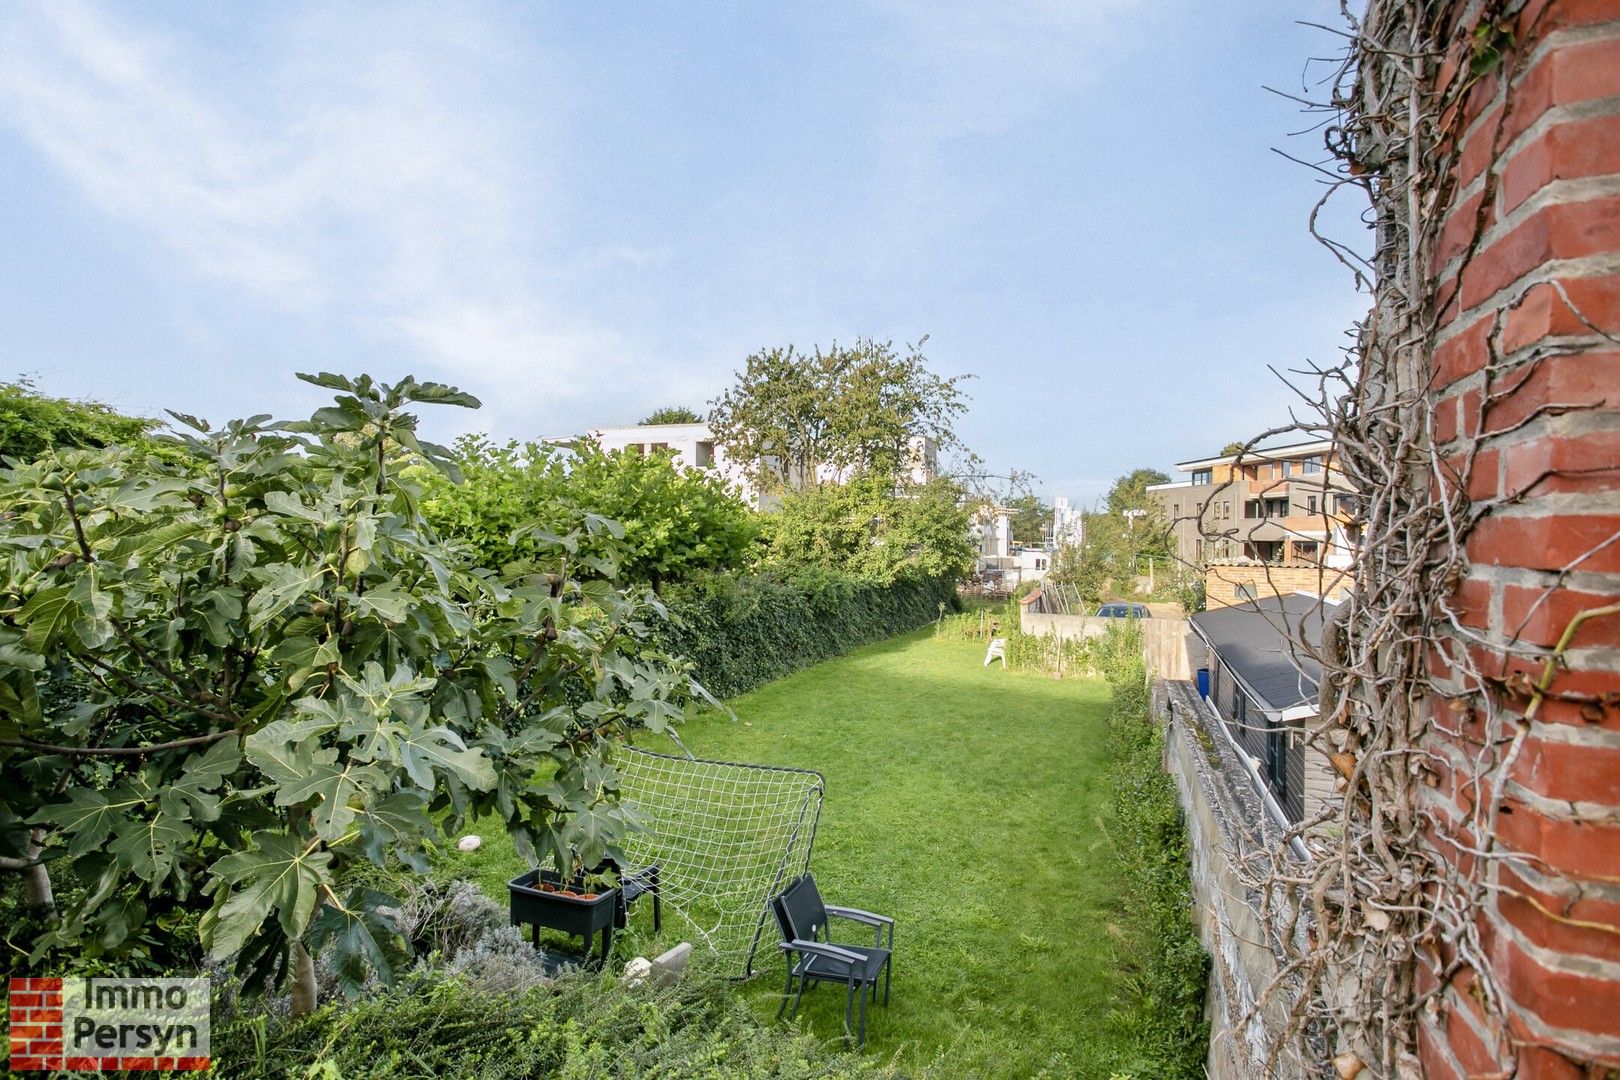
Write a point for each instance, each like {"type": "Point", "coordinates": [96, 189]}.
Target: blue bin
{"type": "Point", "coordinates": [1203, 682]}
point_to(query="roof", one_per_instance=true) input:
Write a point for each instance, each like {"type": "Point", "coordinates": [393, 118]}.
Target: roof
{"type": "Point", "coordinates": [1255, 639]}
{"type": "Point", "coordinates": [1264, 453]}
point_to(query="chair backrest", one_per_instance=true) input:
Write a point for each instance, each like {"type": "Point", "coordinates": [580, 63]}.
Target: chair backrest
{"type": "Point", "coordinates": [800, 913]}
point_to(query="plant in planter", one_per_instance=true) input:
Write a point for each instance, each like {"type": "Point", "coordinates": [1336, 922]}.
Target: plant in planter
{"type": "Point", "coordinates": [231, 674]}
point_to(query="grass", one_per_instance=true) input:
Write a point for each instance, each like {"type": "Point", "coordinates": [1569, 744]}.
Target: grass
{"type": "Point", "coordinates": [971, 803]}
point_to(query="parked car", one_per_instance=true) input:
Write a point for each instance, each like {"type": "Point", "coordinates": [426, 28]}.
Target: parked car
{"type": "Point", "coordinates": [1123, 611]}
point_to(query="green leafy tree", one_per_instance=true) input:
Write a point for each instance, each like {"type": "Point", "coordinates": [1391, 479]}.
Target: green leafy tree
{"type": "Point", "coordinates": [31, 423]}
{"type": "Point", "coordinates": [1232, 448]}
{"type": "Point", "coordinates": [1130, 492]}
{"type": "Point", "coordinates": [1031, 519]}
{"type": "Point", "coordinates": [1118, 542]}
{"type": "Point", "coordinates": [853, 410]}
{"type": "Point", "coordinates": [227, 681]}
{"type": "Point", "coordinates": [864, 529]}
{"type": "Point", "coordinates": [672, 414]}
{"type": "Point", "coordinates": [512, 502]}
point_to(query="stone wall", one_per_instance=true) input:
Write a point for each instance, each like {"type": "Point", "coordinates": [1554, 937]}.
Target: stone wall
{"type": "Point", "coordinates": [1228, 827]}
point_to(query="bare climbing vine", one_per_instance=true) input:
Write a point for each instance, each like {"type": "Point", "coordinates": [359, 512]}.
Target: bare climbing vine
{"type": "Point", "coordinates": [1384, 913]}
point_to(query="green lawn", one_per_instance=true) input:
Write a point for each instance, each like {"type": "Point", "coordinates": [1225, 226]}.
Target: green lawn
{"type": "Point", "coordinates": [970, 804]}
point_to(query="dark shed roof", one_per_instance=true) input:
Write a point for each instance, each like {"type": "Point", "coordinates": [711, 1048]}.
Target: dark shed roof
{"type": "Point", "coordinates": [1256, 639]}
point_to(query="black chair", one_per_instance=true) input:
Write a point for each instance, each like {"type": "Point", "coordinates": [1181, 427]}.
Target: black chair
{"type": "Point", "coordinates": [802, 917]}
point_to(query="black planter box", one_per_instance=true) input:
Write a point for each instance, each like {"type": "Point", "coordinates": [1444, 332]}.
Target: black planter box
{"type": "Point", "coordinates": [576, 915]}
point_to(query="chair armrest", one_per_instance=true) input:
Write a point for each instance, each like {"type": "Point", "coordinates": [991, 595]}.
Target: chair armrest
{"type": "Point", "coordinates": [819, 948]}
{"type": "Point", "coordinates": [857, 915]}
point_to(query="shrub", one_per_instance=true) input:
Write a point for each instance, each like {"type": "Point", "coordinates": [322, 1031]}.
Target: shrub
{"type": "Point", "coordinates": [511, 502]}
{"type": "Point", "coordinates": [227, 680]}
{"type": "Point", "coordinates": [580, 1026]}
{"type": "Point", "coordinates": [1167, 968]}
{"type": "Point", "coordinates": [741, 632]}
{"type": "Point", "coordinates": [866, 529]}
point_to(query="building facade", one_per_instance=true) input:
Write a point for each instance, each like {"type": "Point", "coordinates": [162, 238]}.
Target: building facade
{"type": "Point", "coordinates": [1285, 506]}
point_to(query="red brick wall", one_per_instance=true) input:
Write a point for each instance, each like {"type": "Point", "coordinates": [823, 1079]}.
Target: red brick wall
{"type": "Point", "coordinates": [1544, 404]}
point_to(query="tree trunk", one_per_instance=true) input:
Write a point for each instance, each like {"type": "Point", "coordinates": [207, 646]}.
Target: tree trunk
{"type": "Point", "coordinates": [303, 980]}
{"type": "Point", "coordinates": [37, 894]}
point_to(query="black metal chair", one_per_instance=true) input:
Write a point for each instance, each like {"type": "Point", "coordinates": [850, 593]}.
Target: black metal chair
{"type": "Point", "coordinates": [811, 957]}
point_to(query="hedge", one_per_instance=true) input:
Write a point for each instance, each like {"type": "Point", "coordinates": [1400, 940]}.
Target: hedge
{"type": "Point", "coordinates": [742, 631]}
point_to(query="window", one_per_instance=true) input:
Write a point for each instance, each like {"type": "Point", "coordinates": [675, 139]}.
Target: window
{"type": "Point", "coordinates": [1288, 468]}
{"type": "Point", "coordinates": [1254, 508]}
{"type": "Point", "coordinates": [705, 454]}
{"type": "Point", "coordinates": [1203, 476]}
{"type": "Point", "coordinates": [1313, 464]}
{"type": "Point", "coordinates": [1198, 550]}
{"type": "Point", "coordinates": [1276, 508]}
{"type": "Point", "coordinates": [1277, 758]}
{"type": "Point", "coordinates": [1175, 511]}
{"type": "Point", "coordinates": [1310, 504]}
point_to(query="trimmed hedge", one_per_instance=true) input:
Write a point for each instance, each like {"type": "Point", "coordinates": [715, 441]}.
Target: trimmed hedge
{"type": "Point", "coordinates": [744, 631]}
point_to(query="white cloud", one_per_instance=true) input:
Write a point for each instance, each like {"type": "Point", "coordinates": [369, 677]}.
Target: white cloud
{"type": "Point", "coordinates": [369, 172]}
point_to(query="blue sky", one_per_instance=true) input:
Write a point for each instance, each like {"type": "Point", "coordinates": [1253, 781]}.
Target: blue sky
{"type": "Point", "coordinates": [581, 212]}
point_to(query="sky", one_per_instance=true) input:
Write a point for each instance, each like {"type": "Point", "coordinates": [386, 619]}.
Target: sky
{"type": "Point", "coordinates": [580, 213]}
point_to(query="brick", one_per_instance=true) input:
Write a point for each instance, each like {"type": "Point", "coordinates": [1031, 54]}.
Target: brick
{"type": "Point", "coordinates": [24, 1032]}
{"type": "Point", "coordinates": [82, 1064]}
{"type": "Point", "coordinates": [1588, 462]}
{"type": "Point", "coordinates": [1472, 602]}
{"type": "Point", "coordinates": [1547, 543]}
{"type": "Point", "coordinates": [1589, 379]}
{"type": "Point", "coordinates": [1568, 75]}
{"type": "Point", "coordinates": [1467, 1047]}
{"type": "Point", "coordinates": [1463, 224]}
{"type": "Point", "coordinates": [1568, 230]}
{"type": "Point", "coordinates": [1457, 415]}
{"type": "Point", "coordinates": [1559, 931]}
{"type": "Point", "coordinates": [1436, 1063]}
{"type": "Point", "coordinates": [32, 1064]}
{"type": "Point", "coordinates": [1542, 17]}
{"type": "Point", "coordinates": [143, 1064]}
{"type": "Point", "coordinates": [191, 1064]}
{"type": "Point", "coordinates": [1568, 771]}
{"type": "Point", "coordinates": [1559, 999]}
{"type": "Point", "coordinates": [1540, 616]}
{"type": "Point", "coordinates": [26, 999]}
{"type": "Point", "coordinates": [1568, 151]}
{"type": "Point", "coordinates": [1543, 312]}
{"type": "Point", "coordinates": [1542, 1063]}
{"type": "Point", "coordinates": [1562, 845]}
{"type": "Point", "coordinates": [1462, 354]}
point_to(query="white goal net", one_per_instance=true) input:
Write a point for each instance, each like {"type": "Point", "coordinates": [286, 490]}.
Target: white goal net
{"type": "Point", "coordinates": [725, 837]}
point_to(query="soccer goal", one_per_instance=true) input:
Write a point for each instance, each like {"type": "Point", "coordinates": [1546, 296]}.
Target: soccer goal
{"type": "Point", "coordinates": [725, 836]}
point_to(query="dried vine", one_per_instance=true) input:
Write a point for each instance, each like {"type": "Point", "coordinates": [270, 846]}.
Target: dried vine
{"type": "Point", "coordinates": [1376, 924]}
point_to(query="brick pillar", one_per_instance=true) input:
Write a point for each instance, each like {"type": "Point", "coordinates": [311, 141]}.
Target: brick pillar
{"type": "Point", "coordinates": [1542, 403]}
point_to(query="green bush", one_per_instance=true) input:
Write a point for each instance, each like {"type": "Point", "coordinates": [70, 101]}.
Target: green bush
{"type": "Point", "coordinates": [511, 502]}
{"type": "Point", "coordinates": [581, 1026]}
{"type": "Point", "coordinates": [744, 631]}
{"type": "Point", "coordinates": [1167, 968]}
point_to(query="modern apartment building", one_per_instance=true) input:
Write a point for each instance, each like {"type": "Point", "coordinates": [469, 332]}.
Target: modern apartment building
{"type": "Point", "coordinates": [1282, 506]}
